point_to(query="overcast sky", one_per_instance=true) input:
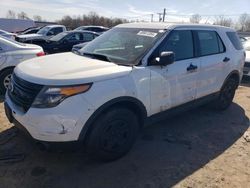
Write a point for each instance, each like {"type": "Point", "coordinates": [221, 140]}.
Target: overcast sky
{"type": "Point", "coordinates": [177, 10]}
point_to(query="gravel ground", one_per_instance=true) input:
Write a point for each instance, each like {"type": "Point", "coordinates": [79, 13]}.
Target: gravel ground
{"type": "Point", "coordinates": [198, 148]}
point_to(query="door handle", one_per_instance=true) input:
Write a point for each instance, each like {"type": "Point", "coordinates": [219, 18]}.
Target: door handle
{"type": "Point", "coordinates": [226, 59]}
{"type": "Point", "coordinates": [192, 67]}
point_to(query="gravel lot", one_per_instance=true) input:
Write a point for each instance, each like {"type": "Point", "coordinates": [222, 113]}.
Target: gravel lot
{"type": "Point", "coordinates": [198, 148]}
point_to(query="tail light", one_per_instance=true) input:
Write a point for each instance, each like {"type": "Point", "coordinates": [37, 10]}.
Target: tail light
{"type": "Point", "coordinates": [40, 54]}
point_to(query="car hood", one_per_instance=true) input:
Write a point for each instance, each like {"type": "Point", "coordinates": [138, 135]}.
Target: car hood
{"type": "Point", "coordinates": [35, 35]}
{"type": "Point", "coordinates": [68, 69]}
{"type": "Point", "coordinates": [247, 56]}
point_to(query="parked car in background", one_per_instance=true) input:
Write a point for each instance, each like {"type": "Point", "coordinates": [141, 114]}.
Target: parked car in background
{"type": "Point", "coordinates": [30, 30]}
{"type": "Point", "coordinates": [63, 42]}
{"type": "Point", "coordinates": [97, 29]}
{"type": "Point", "coordinates": [246, 70]}
{"type": "Point", "coordinates": [11, 54]}
{"type": "Point", "coordinates": [132, 72]}
{"type": "Point", "coordinates": [15, 25]}
{"type": "Point", "coordinates": [7, 34]}
{"type": "Point", "coordinates": [43, 34]}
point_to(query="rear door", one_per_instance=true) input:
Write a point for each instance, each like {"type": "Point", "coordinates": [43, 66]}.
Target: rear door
{"type": "Point", "coordinates": [214, 61]}
{"type": "Point", "coordinates": [71, 40]}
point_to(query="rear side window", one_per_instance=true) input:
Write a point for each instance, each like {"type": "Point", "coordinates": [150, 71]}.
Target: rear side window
{"type": "Point", "coordinates": [210, 43]}
{"type": "Point", "coordinates": [88, 36]}
{"type": "Point", "coordinates": [235, 40]}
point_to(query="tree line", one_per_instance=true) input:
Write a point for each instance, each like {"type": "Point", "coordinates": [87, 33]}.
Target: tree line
{"type": "Point", "coordinates": [242, 24]}
{"type": "Point", "coordinates": [92, 18]}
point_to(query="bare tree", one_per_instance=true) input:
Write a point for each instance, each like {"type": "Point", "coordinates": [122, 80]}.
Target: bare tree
{"type": "Point", "coordinates": [90, 19]}
{"type": "Point", "coordinates": [195, 18]}
{"type": "Point", "coordinates": [221, 20]}
{"type": "Point", "coordinates": [37, 18]}
{"type": "Point", "coordinates": [11, 14]}
{"type": "Point", "coordinates": [22, 15]}
{"type": "Point", "coordinates": [243, 20]}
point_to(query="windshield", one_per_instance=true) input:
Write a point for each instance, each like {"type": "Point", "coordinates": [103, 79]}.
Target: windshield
{"type": "Point", "coordinates": [59, 36]}
{"type": "Point", "coordinates": [43, 31]}
{"type": "Point", "coordinates": [123, 45]}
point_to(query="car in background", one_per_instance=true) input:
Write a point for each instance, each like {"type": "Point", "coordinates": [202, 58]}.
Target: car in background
{"type": "Point", "coordinates": [43, 34]}
{"type": "Point", "coordinates": [7, 34]}
{"type": "Point", "coordinates": [97, 29]}
{"type": "Point", "coordinates": [11, 54]}
{"type": "Point", "coordinates": [64, 42]}
{"type": "Point", "coordinates": [246, 69]}
{"type": "Point", "coordinates": [30, 30]}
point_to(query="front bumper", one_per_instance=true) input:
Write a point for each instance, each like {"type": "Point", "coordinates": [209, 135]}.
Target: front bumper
{"type": "Point", "coordinates": [62, 123]}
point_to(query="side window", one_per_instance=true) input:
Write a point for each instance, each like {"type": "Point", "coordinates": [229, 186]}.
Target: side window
{"type": "Point", "coordinates": [57, 30]}
{"type": "Point", "coordinates": [235, 40]}
{"type": "Point", "coordinates": [210, 43]}
{"type": "Point", "coordinates": [181, 43]}
{"type": "Point", "coordinates": [97, 29]}
{"type": "Point", "coordinates": [88, 36]}
{"type": "Point", "coordinates": [75, 37]}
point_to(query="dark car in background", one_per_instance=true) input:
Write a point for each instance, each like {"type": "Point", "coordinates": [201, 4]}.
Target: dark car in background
{"type": "Point", "coordinates": [30, 30]}
{"type": "Point", "coordinates": [97, 29]}
{"type": "Point", "coordinates": [64, 42]}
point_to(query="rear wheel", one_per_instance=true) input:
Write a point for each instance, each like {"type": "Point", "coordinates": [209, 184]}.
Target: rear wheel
{"type": "Point", "coordinates": [113, 134]}
{"type": "Point", "coordinates": [5, 77]}
{"type": "Point", "coordinates": [226, 94]}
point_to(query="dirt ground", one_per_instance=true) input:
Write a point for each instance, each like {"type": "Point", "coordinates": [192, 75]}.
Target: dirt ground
{"type": "Point", "coordinates": [198, 148]}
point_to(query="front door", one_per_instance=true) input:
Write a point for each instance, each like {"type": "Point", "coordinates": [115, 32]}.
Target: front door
{"type": "Point", "coordinates": [175, 84]}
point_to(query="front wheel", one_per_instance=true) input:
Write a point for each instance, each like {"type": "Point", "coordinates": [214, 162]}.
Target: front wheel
{"type": "Point", "coordinates": [226, 95]}
{"type": "Point", "coordinates": [113, 134]}
{"type": "Point", "coordinates": [5, 77]}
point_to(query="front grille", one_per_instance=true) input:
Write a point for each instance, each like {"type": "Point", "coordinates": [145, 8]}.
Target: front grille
{"type": "Point", "coordinates": [23, 93]}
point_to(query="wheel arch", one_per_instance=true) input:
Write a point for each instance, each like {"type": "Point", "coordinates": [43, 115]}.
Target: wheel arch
{"type": "Point", "coordinates": [235, 75]}
{"type": "Point", "coordinates": [6, 68]}
{"type": "Point", "coordinates": [128, 102]}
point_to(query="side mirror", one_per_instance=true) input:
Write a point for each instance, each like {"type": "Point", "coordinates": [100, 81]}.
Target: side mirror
{"type": "Point", "coordinates": [166, 58]}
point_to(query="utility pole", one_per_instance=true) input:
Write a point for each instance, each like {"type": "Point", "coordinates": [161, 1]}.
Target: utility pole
{"type": "Point", "coordinates": [164, 14]}
{"type": "Point", "coordinates": [152, 17]}
{"type": "Point", "coordinates": [160, 16]}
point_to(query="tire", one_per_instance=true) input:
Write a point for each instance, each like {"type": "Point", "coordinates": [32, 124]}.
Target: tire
{"type": "Point", "coordinates": [4, 80]}
{"type": "Point", "coordinates": [112, 135]}
{"type": "Point", "coordinates": [226, 95]}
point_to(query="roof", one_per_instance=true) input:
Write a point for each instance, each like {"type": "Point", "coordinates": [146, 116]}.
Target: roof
{"type": "Point", "coordinates": [82, 31]}
{"type": "Point", "coordinates": [168, 25]}
{"type": "Point", "coordinates": [54, 26]}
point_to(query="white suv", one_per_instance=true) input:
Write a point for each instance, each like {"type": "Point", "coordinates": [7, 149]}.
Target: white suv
{"type": "Point", "coordinates": [130, 73]}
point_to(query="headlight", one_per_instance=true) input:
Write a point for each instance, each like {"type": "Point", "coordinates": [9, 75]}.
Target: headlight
{"type": "Point", "coordinates": [52, 96]}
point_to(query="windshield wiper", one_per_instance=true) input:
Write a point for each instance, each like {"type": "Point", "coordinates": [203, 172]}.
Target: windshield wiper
{"type": "Point", "coordinates": [97, 56]}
